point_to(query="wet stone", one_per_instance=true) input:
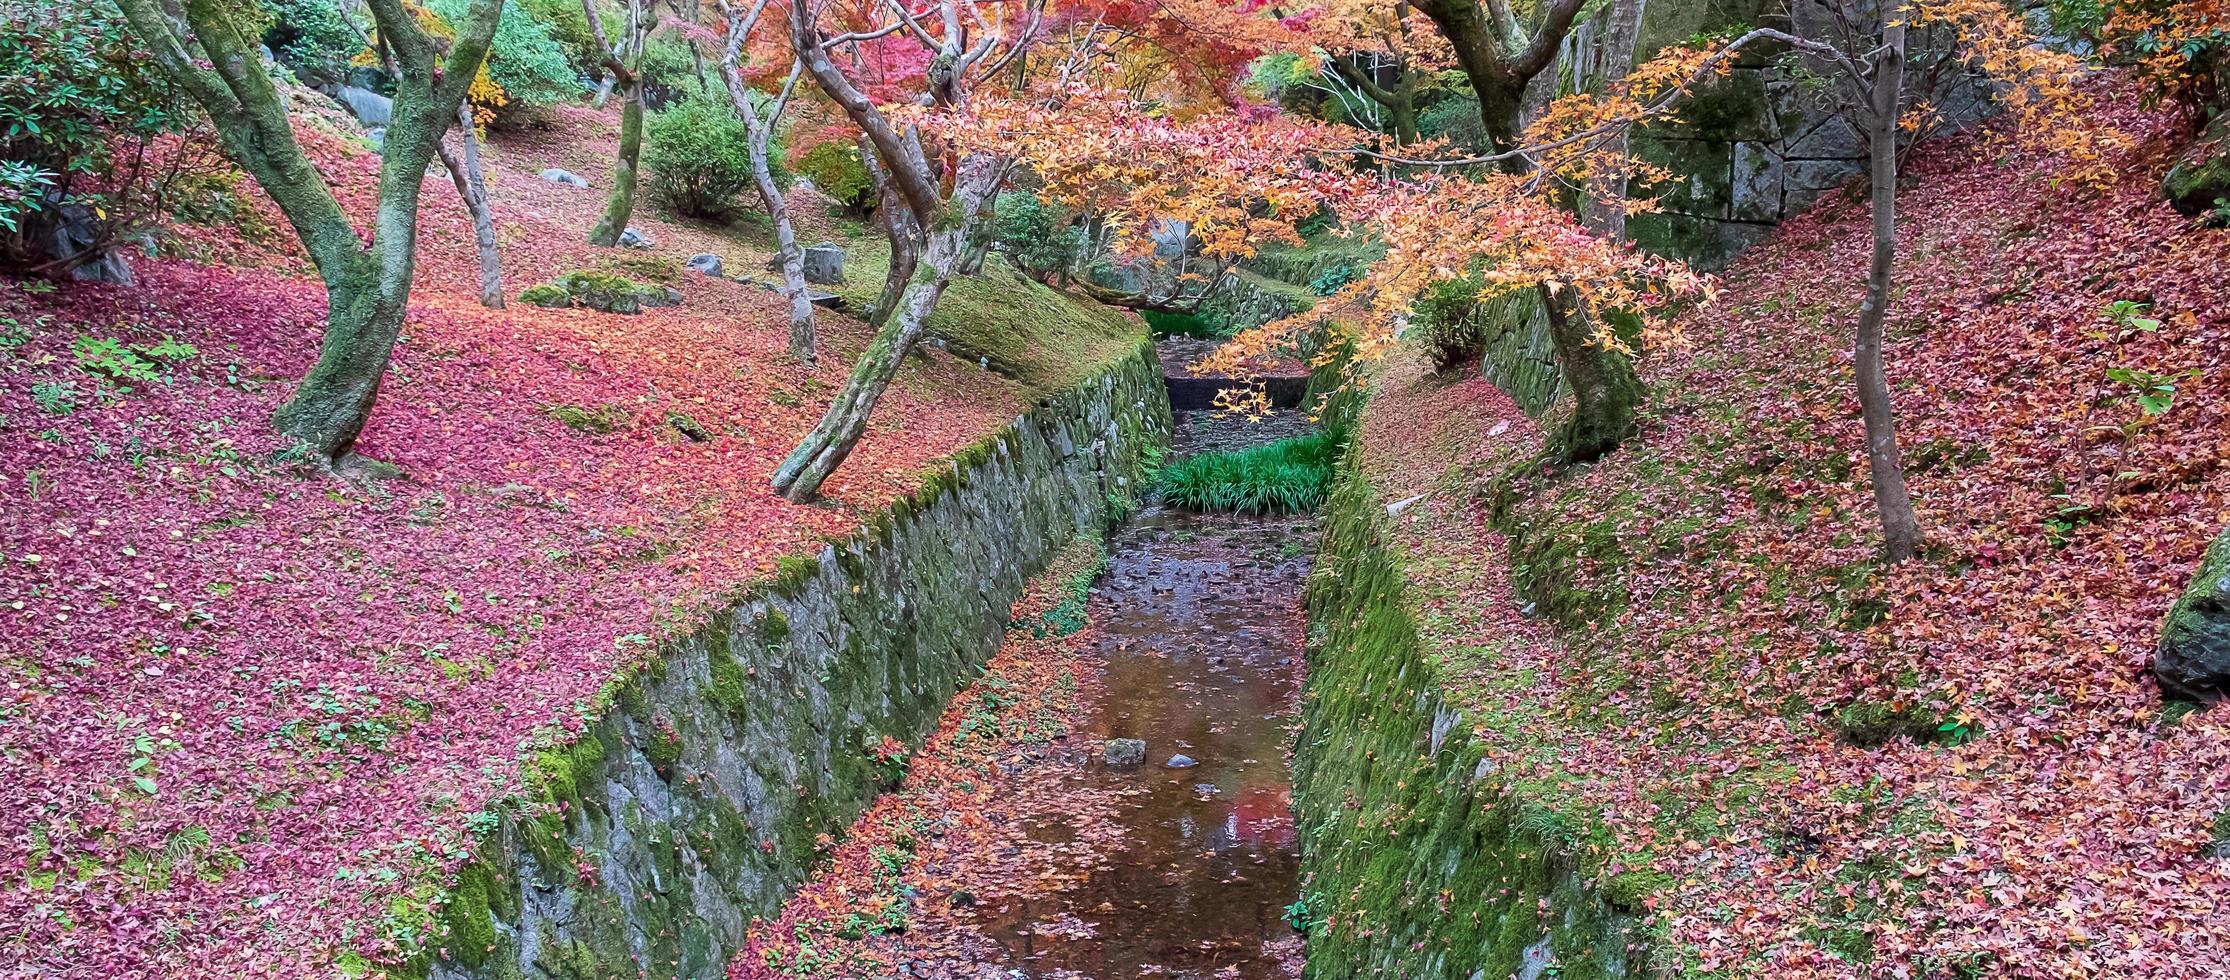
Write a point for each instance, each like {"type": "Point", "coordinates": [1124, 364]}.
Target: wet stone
{"type": "Point", "coordinates": [1124, 751]}
{"type": "Point", "coordinates": [1181, 761]}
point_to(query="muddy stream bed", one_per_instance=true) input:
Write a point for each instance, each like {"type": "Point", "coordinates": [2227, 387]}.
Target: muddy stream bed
{"type": "Point", "coordinates": [1197, 646]}
{"type": "Point", "coordinates": [1199, 630]}
{"type": "Point", "coordinates": [1062, 848]}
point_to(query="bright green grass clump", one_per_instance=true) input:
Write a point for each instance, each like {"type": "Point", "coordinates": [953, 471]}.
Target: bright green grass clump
{"type": "Point", "coordinates": [1287, 475]}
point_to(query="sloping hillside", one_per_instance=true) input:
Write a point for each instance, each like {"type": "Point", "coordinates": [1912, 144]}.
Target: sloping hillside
{"type": "Point", "coordinates": [253, 713]}
{"type": "Point", "coordinates": [1695, 681]}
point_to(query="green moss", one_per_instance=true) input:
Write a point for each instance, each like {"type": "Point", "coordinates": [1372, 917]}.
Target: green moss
{"type": "Point", "coordinates": [546, 295]}
{"type": "Point", "coordinates": [469, 915]}
{"type": "Point", "coordinates": [774, 628]}
{"type": "Point", "coordinates": [2199, 181]}
{"type": "Point", "coordinates": [562, 772]}
{"type": "Point", "coordinates": [1048, 340]}
{"type": "Point", "coordinates": [599, 421]}
{"type": "Point", "coordinates": [1872, 724]}
{"type": "Point", "coordinates": [690, 428]}
{"type": "Point", "coordinates": [791, 572]}
{"type": "Point", "coordinates": [662, 746]}
{"type": "Point", "coordinates": [1427, 864]}
{"type": "Point", "coordinates": [729, 682]}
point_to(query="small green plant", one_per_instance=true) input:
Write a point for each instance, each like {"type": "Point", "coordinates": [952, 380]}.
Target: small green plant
{"type": "Point", "coordinates": [107, 357]}
{"type": "Point", "coordinates": [1207, 324]}
{"type": "Point", "coordinates": [1283, 476]}
{"type": "Point", "coordinates": [2155, 392]}
{"type": "Point", "coordinates": [1299, 915]}
{"type": "Point", "coordinates": [2067, 515]}
{"type": "Point", "coordinates": [2128, 314]}
{"type": "Point", "coordinates": [54, 397]}
{"type": "Point", "coordinates": [1334, 278]}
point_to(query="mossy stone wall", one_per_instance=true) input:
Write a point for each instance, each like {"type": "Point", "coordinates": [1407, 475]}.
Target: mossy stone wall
{"type": "Point", "coordinates": [1418, 859]}
{"type": "Point", "coordinates": [695, 804]}
{"type": "Point", "coordinates": [1516, 353]}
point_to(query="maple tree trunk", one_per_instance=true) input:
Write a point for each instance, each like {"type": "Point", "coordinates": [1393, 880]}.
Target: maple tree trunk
{"type": "Point", "coordinates": [367, 288]}
{"type": "Point", "coordinates": [787, 253]}
{"type": "Point", "coordinates": [759, 133]}
{"type": "Point", "coordinates": [898, 226]}
{"type": "Point", "coordinates": [1900, 527]}
{"type": "Point", "coordinates": [1605, 390]}
{"type": "Point", "coordinates": [620, 207]}
{"type": "Point", "coordinates": [472, 186]}
{"type": "Point", "coordinates": [800, 476]}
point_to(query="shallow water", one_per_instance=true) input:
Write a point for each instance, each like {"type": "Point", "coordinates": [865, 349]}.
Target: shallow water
{"type": "Point", "coordinates": [1199, 623]}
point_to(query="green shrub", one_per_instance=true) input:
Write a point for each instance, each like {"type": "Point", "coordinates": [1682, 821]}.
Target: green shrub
{"type": "Point", "coordinates": [835, 168]}
{"type": "Point", "coordinates": [669, 74]}
{"type": "Point", "coordinates": [1035, 233]}
{"type": "Point", "coordinates": [1446, 320]}
{"type": "Point", "coordinates": [698, 156]}
{"type": "Point", "coordinates": [525, 58]}
{"type": "Point", "coordinates": [78, 107]}
{"type": "Point", "coordinates": [311, 38]}
{"type": "Point", "coordinates": [1456, 119]}
{"type": "Point", "coordinates": [1287, 475]}
{"type": "Point", "coordinates": [568, 26]}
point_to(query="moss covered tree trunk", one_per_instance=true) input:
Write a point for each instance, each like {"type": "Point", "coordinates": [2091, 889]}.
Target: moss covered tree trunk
{"type": "Point", "coordinates": [367, 287]}
{"type": "Point", "coordinates": [800, 476]}
{"type": "Point", "coordinates": [898, 227]}
{"type": "Point", "coordinates": [1500, 60]}
{"type": "Point", "coordinates": [1605, 390]}
{"type": "Point", "coordinates": [620, 207]}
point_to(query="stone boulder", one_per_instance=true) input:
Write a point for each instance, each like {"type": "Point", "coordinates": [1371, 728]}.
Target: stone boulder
{"type": "Point", "coordinates": [635, 239]}
{"type": "Point", "coordinates": [557, 175]}
{"type": "Point", "coordinates": [2193, 662]}
{"type": "Point", "coordinates": [707, 263]}
{"type": "Point", "coordinates": [2201, 177]}
{"type": "Point", "coordinates": [824, 263]}
{"type": "Point", "coordinates": [78, 234]}
{"type": "Point", "coordinates": [1124, 751]}
{"type": "Point", "coordinates": [604, 291]}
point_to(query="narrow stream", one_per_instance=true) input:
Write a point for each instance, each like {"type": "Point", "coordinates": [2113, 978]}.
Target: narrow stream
{"type": "Point", "coordinates": [1199, 628]}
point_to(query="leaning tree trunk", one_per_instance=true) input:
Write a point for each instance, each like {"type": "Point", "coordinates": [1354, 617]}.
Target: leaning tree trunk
{"type": "Point", "coordinates": [366, 302]}
{"type": "Point", "coordinates": [472, 186]}
{"type": "Point", "coordinates": [620, 207]}
{"type": "Point", "coordinates": [800, 476]}
{"type": "Point", "coordinates": [899, 227]}
{"type": "Point", "coordinates": [1605, 390]}
{"type": "Point", "coordinates": [1900, 527]}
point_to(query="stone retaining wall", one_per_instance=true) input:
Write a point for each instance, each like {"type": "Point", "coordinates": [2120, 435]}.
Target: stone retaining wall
{"type": "Point", "coordinates": [1418, 859]}
{"type": "Point", "coordinates": [651, 843]}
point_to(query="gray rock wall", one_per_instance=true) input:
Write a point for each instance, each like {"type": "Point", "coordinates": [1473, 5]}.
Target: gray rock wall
{"type": "Point", "coordinates": [1518, 356]}
{"type": "Point", "coordinates": [1759, 145]}
{"type": "Point", "coordinates": [647, 847]}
